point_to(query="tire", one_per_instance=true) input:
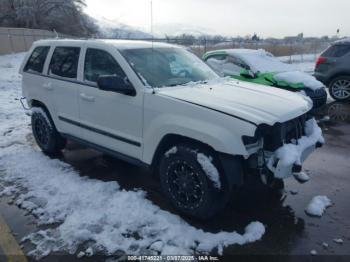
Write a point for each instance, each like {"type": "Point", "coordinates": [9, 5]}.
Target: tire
{"type": "Point", "coordinates": [45, 132]}
{"type": "Point", "coordinates": [187, 185]}
{"type": "Point", "coordinates": [277, 184]}
{"type": "Point", "coordinates": [338, 112]}
{"type": "Point", "coordinates": [276, 189]}
{"type": "Point", "coordinates": [339, 88]}
{"type": "Point", "coordinates": [271, 189]}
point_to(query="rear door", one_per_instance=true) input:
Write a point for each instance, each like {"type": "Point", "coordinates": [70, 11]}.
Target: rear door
{"type": "Point", "coordinates": [109, 119]}
{"type": "Point", "coordinates": [63, 75]}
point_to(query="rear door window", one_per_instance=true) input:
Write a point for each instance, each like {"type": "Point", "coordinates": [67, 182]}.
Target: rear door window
{"type": "Point", "coordinates": [336, 51]}
{"type": "Point", "coordinates": [64, 62]}
{"type": "Point", "coordinates": [37, 59]}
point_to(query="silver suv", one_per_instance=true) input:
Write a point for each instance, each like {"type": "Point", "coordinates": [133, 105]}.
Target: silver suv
{"type": "Point", "coordinates": [333, 69]}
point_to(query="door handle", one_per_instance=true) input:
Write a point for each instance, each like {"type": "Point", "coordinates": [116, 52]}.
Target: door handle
{"type": "Point", "coordinates": [48, 86]}
{"type": "Point", "coordinates": [86, 97]}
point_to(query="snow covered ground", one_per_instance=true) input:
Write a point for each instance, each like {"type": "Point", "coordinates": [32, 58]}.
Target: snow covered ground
{"type": "Point", "coordinates": [305, 62]}
{"type": "Point", "coordinates": [100, 216]}
{"type": "Point", "coordinates": [301, 58]}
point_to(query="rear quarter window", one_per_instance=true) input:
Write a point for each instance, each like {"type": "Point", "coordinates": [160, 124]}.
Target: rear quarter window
{"type": "Point", "coordinates": [336, 51]}
{"type": "Point", "coordinates": [64, 62]}
{"type": "Point", "coordinates": [37, 59]}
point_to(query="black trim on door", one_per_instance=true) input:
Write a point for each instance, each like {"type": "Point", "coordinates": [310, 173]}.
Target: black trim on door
{"type": "Point", "coordinates": [74, 81]}
{"type": "Point", "coordinates": [108, 151]}
{"type": "Point", "coordinates": [101, 132]}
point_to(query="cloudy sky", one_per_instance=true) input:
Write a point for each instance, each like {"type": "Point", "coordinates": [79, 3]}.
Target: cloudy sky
{"type": "Point", "coordinates": [275, 18]}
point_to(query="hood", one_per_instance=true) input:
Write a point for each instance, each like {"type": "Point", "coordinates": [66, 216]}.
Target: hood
{"type": "Point", "coordinates": [255, 103]}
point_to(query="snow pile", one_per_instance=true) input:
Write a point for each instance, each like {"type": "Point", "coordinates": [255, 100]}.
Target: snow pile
{"type": "Point", "coordinates": [297, 77]}
{"type": "Point", "coordinates": [264, 62]}
{"type": "Point", "coordinates": [318, 205]}
{"type": "Point", "coordinates": [289, 154]}
{"type": "Point", "coordinates": [338, 240]}
{"type": "Point", "coordinates": [79, 212]}
{"type": "Point", "coordinates": [101, 212]}
{"type": "Point", "coordinates": [313, 252]}
{"type": "Point", "coordinates": [172, 150]}
{"type": "Point", "coordinates": [299, 58]}
{"type": "Point", "coordinates": [302, 177]}
{"type": "Point", "coordinates": [209, 169]}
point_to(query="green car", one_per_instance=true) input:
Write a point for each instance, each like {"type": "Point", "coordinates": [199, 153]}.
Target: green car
{"type": "Point", "coordinates": [261, 67]}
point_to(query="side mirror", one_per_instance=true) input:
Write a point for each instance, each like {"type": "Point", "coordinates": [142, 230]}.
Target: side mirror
{"type": "Point", "coordinates": [247, 73]}
{"type": "Point", "coordinates": [115, 84]}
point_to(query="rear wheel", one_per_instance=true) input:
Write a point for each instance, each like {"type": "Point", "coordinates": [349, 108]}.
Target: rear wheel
{"type": "Point", "coordinates": [45, 133]}
{"type": "Point", "coordinates": [192, 180]}
{"type": "Point", "coordinates": [339, 88]}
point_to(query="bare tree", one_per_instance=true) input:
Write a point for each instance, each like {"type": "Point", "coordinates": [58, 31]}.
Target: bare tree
{"type": "Point", "coordinates": [65, 16]}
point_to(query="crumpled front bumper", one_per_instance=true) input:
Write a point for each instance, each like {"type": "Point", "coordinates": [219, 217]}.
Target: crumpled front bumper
{"type": "Point", "coordinates": [288, 158]}
{"type": "Point", "coordinates": [282, 171]}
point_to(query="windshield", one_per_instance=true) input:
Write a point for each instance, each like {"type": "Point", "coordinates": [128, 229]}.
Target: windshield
{"type": "Point", "coordinates": [160, 67]}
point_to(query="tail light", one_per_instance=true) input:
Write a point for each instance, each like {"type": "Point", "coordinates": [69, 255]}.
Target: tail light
{"type": "Point", "coordinates": [321, 60]}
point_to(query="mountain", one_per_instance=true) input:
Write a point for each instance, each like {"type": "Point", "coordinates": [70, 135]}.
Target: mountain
{"type": "Point", "coordinates": [114, 29]}
{"type": "Point", "coordinates": [176, 29]}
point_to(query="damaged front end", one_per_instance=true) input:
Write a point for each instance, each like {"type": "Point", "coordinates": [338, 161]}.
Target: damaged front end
{"type": "Point", "coordinates": [283, 147]}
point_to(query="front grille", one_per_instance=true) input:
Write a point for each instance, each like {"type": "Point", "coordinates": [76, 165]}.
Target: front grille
{"type": "Point", "coordinates": [280, 133]}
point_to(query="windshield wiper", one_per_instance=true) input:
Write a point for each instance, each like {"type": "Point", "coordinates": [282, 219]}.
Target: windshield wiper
{"type": "Point", "coordinates": [196, 82]}
{"type": "Point", "coordinates": [190, 82]}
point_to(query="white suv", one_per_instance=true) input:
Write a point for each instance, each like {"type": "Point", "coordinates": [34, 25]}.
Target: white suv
{"type": "Point", "coordinates": [158, 105]}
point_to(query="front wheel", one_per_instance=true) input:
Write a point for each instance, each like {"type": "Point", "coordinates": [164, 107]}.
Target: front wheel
{"type": "Point", "coordinates": [192, 179]}
{"type": "Point", "coordinates": [339, 88]}
{"type": "Point", "coordinates": [45, 133]}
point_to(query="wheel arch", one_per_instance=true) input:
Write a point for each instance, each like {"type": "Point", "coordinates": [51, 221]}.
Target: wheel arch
{"type": "Point", "coordinates": [227, 162]}
{"type": "Point", "coordinates": [38, 103]}
{"type": "Point", "coordinates": [336, 75]}
{"type": "Point", "coordinates": [171, 140]}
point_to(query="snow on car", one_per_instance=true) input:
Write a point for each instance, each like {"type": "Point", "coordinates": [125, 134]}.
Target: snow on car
{"type": "Point", "coordinates": [261, 67]}
{"type": "Point", "coordinates": [76, 210]}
